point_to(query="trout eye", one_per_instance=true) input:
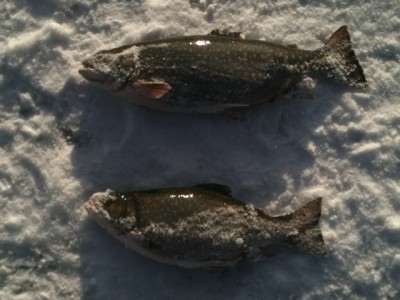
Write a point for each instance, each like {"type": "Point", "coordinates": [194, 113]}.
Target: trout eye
{"type": "Point", "coordinates": [117, 208]}
{"type": "Point", "coordinates": [87, 64]}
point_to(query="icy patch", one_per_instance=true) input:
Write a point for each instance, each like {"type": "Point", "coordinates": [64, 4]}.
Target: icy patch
{"type": "Point", "coordinates": [13, 223]}
{"type": "Point", "coordinates": [48, 30]}
{"type": "Point", "coordinates": [366, 149]}
{"type": "Point", "coordinates": [393, 223]}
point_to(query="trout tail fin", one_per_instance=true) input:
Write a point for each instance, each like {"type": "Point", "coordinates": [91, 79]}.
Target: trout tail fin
{"type": "Point", "coordinates": [342, 62]}
{"type": "Point", "coordinates": [306, 222]}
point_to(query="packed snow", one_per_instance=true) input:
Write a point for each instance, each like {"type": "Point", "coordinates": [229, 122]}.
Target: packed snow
{"type": "Point", "coordinates": [62, 139]}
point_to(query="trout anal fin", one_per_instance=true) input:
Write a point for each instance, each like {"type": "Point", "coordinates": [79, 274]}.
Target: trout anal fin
{"type": "Point", "coordinates": [225, 32]}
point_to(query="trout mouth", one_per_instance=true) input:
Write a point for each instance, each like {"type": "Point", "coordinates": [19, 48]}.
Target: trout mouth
{"type": "Point", "coordinates": [90, 73]}
{"type": "Point", "coordinates": [109, 202]}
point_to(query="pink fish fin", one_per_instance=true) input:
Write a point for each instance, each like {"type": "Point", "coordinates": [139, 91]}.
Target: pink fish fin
{"type": "Point", "coordinates": [154, 90]}
{"type": "Point", "coordinates": [225, 32]}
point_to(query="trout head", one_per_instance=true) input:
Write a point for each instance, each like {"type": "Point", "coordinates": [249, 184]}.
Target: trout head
{"type": "Point", "coordinates": [112, 69]}
{"type": "Point", "coordinates": [112, 210]}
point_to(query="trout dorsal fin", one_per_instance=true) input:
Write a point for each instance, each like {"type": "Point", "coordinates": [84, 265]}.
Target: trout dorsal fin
{"type": "Point", "coordinates": [227, 33]}
{"type": "Point", "coordinates": [220, 188]}
{"type": "Point", "coordinates": [154, 90]}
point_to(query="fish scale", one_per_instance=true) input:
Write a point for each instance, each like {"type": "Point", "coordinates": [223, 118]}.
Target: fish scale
{"type": "Point", "coordinates": [155, 207]}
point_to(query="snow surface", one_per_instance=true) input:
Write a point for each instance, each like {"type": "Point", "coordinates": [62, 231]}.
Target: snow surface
{"type": "Point", "coordinates": [63, 139]}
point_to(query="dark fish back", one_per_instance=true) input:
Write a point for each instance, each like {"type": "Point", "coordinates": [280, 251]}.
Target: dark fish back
{"type": "Point", "coordinates": [172, 205]}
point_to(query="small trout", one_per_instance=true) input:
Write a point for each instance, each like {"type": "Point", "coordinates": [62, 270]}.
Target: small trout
{"type": "Point", "coordinates": [203, 226]}
{"type": "Point", "coordinates": [219, 71]}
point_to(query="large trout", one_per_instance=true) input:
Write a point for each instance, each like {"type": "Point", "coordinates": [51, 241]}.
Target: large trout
{"type": "Point", "coordinates": [203, 226]}
{"type": "Point", "coordinates": [219, 71]}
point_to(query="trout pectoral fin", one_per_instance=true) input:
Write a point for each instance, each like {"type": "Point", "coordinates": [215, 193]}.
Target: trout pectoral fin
{"type": "Point", "coordinates": [155, 90]}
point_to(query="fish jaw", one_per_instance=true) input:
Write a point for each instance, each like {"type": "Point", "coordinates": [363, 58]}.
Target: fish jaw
{"type": "Point", "coordinates": [97, 78]}
{"type": "Point", "coordinates": [109, 210]}
{"type": "Point", "coordinates": [94, 206]}
{"type": "Point", "coordinates": [95, 68]}
{"type": "Point", "coordinates": [101, 79]}
{"type": "Point", "coordinates": [108, 70]}
{"type": "Point", "coordinates": [90, 73]}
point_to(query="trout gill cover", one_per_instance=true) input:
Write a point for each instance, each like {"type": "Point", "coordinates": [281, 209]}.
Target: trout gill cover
{"type": "Point", "coordinates": [219, 71]}
{"type": "Point", "coordinates": [203, 226]}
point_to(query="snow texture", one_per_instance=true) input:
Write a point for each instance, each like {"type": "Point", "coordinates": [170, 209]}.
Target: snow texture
{"type": "Point", "coordinates": [62, 139]}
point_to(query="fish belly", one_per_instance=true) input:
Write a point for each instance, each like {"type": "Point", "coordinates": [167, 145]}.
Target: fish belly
{"type": "Point", "coordinates": [217, 237]}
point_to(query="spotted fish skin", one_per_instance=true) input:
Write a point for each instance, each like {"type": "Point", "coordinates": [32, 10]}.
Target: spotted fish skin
{"type": "Point", "coordinates": [219, 71]}
{"type": "Point", "coordinates": [203, 226]}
